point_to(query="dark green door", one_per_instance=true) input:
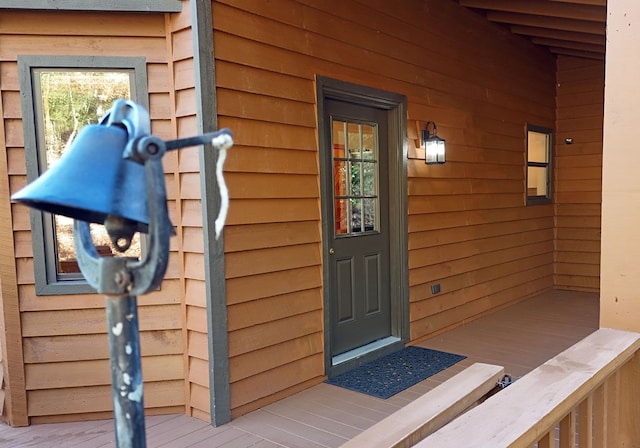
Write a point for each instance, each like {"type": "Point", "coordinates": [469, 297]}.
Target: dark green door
{"type": "Point", "coordinates": [359, 243]}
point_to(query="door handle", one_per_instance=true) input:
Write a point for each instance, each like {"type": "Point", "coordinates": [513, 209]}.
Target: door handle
{"type": "Point", "coordinates": [331, 251]}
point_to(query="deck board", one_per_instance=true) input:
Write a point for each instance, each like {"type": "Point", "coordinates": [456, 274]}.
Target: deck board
{"type": "Point", "coordinates": [519, 337]}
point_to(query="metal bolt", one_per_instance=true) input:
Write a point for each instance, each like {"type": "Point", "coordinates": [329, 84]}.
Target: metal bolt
{"type": "Point", "coordinates": [152, 149]}
{"type": "Point", "coordinates": [121, 279]}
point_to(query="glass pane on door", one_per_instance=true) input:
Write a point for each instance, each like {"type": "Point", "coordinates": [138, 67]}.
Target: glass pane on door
{"type": "Point", "coordinates": [355, 177]}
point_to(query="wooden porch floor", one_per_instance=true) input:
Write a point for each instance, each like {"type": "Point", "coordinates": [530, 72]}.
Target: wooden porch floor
{"type": "Point", "coordinates": [520, 338]}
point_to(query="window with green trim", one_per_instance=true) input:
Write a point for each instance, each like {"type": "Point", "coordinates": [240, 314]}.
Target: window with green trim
{"type": "Point", "coordinates": [539, 156]}
{"type": "Point", "coordinates": [60, 95]}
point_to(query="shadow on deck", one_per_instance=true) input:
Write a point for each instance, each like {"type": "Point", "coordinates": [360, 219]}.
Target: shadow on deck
{"type": "Point", "coordinates": [519, 337]}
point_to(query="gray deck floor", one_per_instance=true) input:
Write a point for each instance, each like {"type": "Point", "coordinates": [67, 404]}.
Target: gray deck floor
{"type": "Point", "coordinates": [519, 337]}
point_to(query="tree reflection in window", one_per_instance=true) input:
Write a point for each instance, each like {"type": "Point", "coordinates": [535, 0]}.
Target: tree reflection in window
{"type": "Point", "coordinates": [69, 100]}
{"type": "Point", "coordinates": [355, 160]}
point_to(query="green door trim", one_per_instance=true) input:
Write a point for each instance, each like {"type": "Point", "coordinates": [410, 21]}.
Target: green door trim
{"type": "Point", "coordinates": [396, 107]}
{"type": "Point", "coordinates": [216, 295]}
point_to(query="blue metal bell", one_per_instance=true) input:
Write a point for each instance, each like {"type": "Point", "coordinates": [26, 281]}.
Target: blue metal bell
{"type": "Point", "coordinates": [92, 180]}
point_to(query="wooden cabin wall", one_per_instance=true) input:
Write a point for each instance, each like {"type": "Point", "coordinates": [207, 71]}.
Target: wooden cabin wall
{"type": "Point", "coordinates": [578, 173]}
{"type": "Point", "coordinates": [65, 346]}
{"type": "Point", "coordinates": [469, 228]}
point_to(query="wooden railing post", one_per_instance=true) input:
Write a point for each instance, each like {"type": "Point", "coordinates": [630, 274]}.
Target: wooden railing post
{"type": "Point", "coordinates": [599, 417]}
{"type": "Point", "coordinates": [568, 431]}
{"type": "Point", "coordinates": [629, 428]}
{"type": "Point", "coordinates": [611, 396]}
{"type": "Point", "coordinates": [585, 423]}
{"type": "Point", "coordinates": [548, 440]}
{"type": "Point", "coordinates": [596, 380]}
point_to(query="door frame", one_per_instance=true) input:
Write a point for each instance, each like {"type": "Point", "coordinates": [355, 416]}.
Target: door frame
{"type": "Point", "coordinates": [396, 107]}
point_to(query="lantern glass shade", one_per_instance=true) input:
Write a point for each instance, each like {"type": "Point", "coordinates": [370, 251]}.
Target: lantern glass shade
{"type": "Point", "coordinates": [434, 147]}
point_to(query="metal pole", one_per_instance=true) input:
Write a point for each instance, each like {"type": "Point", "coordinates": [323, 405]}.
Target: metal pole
{"type": "Point", "coordinates": [126, 372]}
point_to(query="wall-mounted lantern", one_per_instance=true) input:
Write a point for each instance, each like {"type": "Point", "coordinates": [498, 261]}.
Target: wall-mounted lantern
{"type": "Point", "coordinates": [434, 146]}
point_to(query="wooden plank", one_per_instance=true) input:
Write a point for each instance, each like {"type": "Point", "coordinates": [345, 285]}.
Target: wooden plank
{"type": "Point", "coordinates": [273, 308]}
{"type": "Point", "coordinates": [579, 283]}
{"type": "Point", "coordinates": [90, 321]}
{"type": "Point", "coordinates": [197, 345]}
{"type": "Point", "coordinates": [98, 398]}
{"type": "Point", "coordinates": [262, 134]}
{"type": "Point", "coordinates": [271, 284]}
{"type": "Point", "coordinates": [275, 380]}
{"type": "Point", "coordinates": [585, 422]}
{"type": "Point", "coordinates": [29, 301]}
{"type": "Point", "coordinates": [548, 440]}
{"type": "Point", "coordinates": [262, 236]}
{"type": "Point", "coordinates": [95, 346]}
{"type": "Point", "coordinates": [241, 264]}
{"type": "Point", "coordinates": [253, 363]}
{"type": "Point", "coordinates": [628, 430]}
{"type": "Point", "coordinates": [475, 251]}
{"type": "Point", "coordinates": [256, 160]}
{"type": "Point", "coordinates": [568, 431]}
{"type": "Point", "coordinates": [570, 376]}
{"type": "Point", "coordinates": [496, 230]}
{"type": "Point", "coordinates": [82, 24]}
{"type": "Point", "coordinates": [578, 234]}
{"type": "Point", "coordinates": [266, 108]}
{"type": "Point", "coordinates": [194, 266]}
{"type": "Point", "coordinates": [482, 267]}
{"type": "Point", "coordinates": [97, 372]}
{"type": "Point", "coordinates": [432, 410]}
{"type": "Point", "coordinates": [475, 217]}
{"type": "Point", "coordinates": [272, 333]}
{"type": "Point", "coordinates": [266, 186]}
{"type": "Point", "coordinates": [599, 417]}
{"type": "Point", "coordinates": [198, 372]}
{"type": "Point", "coordinates": [255, 211]}
{"type": "Point", "coordinates": [249, 79]}
{"type": "Point", "coordinates": [579, 269]}
{"type": "Point", "coordinates": [535, 281]}
{"type": "Point", "coordinates": [612, 411]}
{"type": "Point", "coordinates": [153, 48]}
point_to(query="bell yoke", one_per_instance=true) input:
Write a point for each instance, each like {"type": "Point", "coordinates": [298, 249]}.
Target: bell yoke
{"type": "Point", "coordinates": [112, 175]}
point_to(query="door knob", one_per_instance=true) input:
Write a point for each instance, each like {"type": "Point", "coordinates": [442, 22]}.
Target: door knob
{"type": "Point", "coordinates": [331, 251]}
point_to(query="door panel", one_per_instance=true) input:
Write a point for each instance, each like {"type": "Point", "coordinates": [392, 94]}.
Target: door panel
{"type": "Point", "coordinates": [359, 241]}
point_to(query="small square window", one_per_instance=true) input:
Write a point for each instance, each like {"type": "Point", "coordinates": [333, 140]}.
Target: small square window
{"type": "Point", "coordinates": [60, 96]}
{"type": "Point", "coordinates": [539, 156]}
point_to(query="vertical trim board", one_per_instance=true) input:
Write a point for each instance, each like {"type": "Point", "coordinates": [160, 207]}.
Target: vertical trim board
{"type": "Point", "coordinates": [220, 401]}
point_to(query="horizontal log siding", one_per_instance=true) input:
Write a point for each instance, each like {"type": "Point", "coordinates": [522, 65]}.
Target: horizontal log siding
{"type": "Point", "coordinates": [578, 173]}
{"type": "Point", "coordinates": [64, 337]}
{"type": "Point", "coordinates": [468, 227]}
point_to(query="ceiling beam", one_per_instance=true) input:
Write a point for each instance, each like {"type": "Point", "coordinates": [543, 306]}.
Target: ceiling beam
{"type": "Point", "coordinates": [577, 53]}
{"type": "Point", "coordinates": [542, 8]}
{"type": "Point", "coordinates": [596, 39]}
{"type": "Point", "coordinates": [566, 44]}
{"type": "Point", "coordinates": [580, 26]}
{"type": "Point", "coordinates": [584, 2]}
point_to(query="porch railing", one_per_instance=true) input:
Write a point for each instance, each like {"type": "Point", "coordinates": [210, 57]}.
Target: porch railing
{"type": "Point", "coordinates": [431, 411]}
{"type": "Point", "coordinates": [587, 396]}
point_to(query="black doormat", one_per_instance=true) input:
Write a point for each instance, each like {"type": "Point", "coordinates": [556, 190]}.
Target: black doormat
{"type": "Point", "coordinates": [395, 372]}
